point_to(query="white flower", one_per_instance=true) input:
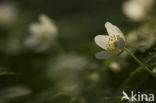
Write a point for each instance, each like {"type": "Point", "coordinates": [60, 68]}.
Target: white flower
{"type": "Point", "coordinates": [154, 70]}
{"type": "Point", "coordinates": [43, 33]}
{"type": "Point", "coordinates": [8, 14]}
{"type": "Point", "coordinates": [112, 44]}
{"type": "Point", "coordinates": [137, 9]}
{"type": "Point", "coordinates": [67, 70]}
{"type": "Point", "coordinates": [13, 92]}
{"type": "Point", "coordinates": [137, 39]}
{"type": "Point", "coordinates": [67, 66]}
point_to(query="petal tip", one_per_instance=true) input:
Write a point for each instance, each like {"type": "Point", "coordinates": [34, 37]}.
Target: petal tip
{"type": "Point", "coordinates": [108, 24]}
{"type": "Point", "coordinates": [96, 38]}
{"type": "Point", "coordinates": [99, 37]}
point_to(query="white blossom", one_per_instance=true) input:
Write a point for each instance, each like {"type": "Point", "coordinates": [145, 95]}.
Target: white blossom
{"type": "Point", "coordinates": [13, 92]}
{"type": "Point", "coordinates": [154, 70]}
{"type": "Point", "coordinates": [137, 39]}
{"type": "Point", "coordinates": [42, 33]}
{"type": "Point", "coordinates": [137, 9]}
{"type": "Point", "coordinates": [8, 14]}
{"type": "Point", "coordinates": [112, 44]}
{"type": "Point", "coordinates": [67, 70]}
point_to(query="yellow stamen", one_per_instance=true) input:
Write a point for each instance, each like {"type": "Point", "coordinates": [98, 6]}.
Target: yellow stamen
{"type": "Point", "coordinates": [111, 47]}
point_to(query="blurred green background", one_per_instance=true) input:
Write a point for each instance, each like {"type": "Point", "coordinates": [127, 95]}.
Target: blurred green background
{"type": "Point", "coordinates": [67, 71]}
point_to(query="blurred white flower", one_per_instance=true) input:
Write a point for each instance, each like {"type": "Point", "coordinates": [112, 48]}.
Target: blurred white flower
{"type": "Point", "coordinates": [67, 71]}
{"type": "Point", "coordinates": [8, 14]}
{"type": "Point", "coordinates": [142, 38]}
{"type": "Point", "coordinates": [43, 33]}
{"type": "Point", "coordinates": [114, 66]}
{"type": "Point", "coordinates": [14, 92]}
{"type": "Point", "coordinates": [112, 44]}
{"type": "Point", "coordinates": [154, 70]}
{"type": "Point", "coordinates": [67, 66]}
{"type": "Point", "coordinates": [70, 61]}
{"type": "Point", "coordinates": [137, 9]}
{"type": "Point", "coordinates": [70, 88]}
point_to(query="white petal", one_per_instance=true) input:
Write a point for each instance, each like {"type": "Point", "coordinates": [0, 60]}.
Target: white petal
{"type": "Point", "coordinates": [44, 19]}
{"type": "Point", "coordinates": [102, 41]}
{"type": "Point", "coordinates": [113, 30]}
{"type": "Point", "coordinates": [105, 55]}
{"type": "Point", "coordinates": [35, 28]}
{"type": "Point", "coordinates": [47, 24]}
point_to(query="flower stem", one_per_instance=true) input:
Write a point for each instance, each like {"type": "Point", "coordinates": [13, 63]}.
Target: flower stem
{"type": "Point", "coordinates": [137, 60]}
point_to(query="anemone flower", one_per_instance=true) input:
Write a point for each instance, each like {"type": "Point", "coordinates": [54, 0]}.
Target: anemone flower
{"type": "Point", "coordinates": [113, 44]}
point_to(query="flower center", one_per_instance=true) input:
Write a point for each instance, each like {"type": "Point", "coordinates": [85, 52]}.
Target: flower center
{"type": "Point", "coordinates": [111, 43]}
{"type": "Point", "coordinates": [43, 36]}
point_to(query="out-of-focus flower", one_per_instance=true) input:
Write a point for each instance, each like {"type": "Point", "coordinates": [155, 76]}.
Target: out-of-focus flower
{"type": "Point", "coordinates": [142, 38]}
{"type": "Point", "coordinates": [154, 70]}
{"type": "Point", "coordinates": [67, 71]}
{"type": "Point", "coordinates": [13, 92]}
{"type": "Point", "coordinates": [8, 14]}
{"type": "Point", "coordinates": [112, 44]}
{"type": "Point", "coordinates": [114, 66]}
{"type": "Point", "coordinates": [70, 61]}
{"type": "Point", "coordinates": [137, 9]}
{"type": "Point", "coordinates": [43, 33]}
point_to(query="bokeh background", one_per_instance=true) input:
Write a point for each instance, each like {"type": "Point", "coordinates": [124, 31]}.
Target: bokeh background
{"type": "Point", "coordinates": [67, 71]}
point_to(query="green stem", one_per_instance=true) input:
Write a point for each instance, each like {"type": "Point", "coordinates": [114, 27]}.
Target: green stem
{"type": "Point", "coordinates": [137, 60]}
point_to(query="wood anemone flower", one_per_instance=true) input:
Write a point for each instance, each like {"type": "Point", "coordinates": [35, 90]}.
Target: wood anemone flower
{"type": "Point", "coordinates": [113, 44]}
